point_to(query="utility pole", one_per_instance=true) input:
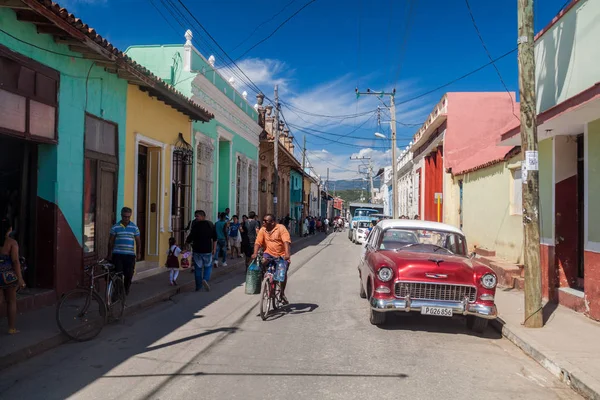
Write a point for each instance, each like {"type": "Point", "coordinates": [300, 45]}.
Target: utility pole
{"type": "Point", "coordinates": [327, 194]}
{"type": "Point", "coordinates": [304, 154]}
{"type": "Point", "coordinates": [276, 154]}
{"type": "Point", "coordinates": [369, 172]}
{"type": "Point", "coordinates": [529, 147]}
{"type": "Point", "coordinates": [393, 140]}
{"type": "Point", "coordinates": [394, 161]}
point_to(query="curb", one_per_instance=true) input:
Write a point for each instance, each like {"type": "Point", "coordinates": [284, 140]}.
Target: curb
{"type": "Point", "coordinates": [567, 374]}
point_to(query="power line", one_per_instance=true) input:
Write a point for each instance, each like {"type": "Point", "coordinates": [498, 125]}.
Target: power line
{"type": "Point", "coordinates": [406, 35]}
{"type": "Point", "coordinates": [458, 79]}
{"type": "Point", "coordinates": [272, 33]}
{"type": "Point", "coordinates": [512, 101]}
{"type": "Point", "coordinates": [263, 23]}
{"type": "Point", "coordinates": [311, 114]}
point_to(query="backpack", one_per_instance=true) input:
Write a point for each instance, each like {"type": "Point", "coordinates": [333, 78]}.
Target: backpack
{"type": "Point", "coordinates": [172, 260]}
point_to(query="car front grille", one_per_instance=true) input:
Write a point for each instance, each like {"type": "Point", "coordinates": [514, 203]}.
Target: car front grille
{"type": "Point", "coordinates": [435, 291]}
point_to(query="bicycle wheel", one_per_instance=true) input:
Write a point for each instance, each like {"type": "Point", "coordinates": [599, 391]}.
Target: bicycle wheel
{"type": "Point", "coordinates": [276, 298]}
{"type": "Point", "coordinates": [265, 298]}
{"type": "Point", "coordinates": [81, 315]}
{"type": "Point", "coordinates": [115, 297]}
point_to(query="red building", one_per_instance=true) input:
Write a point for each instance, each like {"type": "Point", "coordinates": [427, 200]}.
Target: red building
{"type": "Point", "coordinates": [460, 126]}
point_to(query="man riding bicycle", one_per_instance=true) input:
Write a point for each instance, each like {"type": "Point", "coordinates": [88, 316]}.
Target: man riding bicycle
{"type": "Point", "coordinates": [275, 240]}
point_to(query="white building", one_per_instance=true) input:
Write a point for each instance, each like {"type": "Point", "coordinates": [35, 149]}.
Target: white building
{"type": "Point", "coordinates": [408, 185]}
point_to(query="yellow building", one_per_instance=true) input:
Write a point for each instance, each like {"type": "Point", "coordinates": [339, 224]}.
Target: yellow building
{"type": "Point", "coordinates": [484, 200]}
{"type": "Point", "coordinates": [158, 170]}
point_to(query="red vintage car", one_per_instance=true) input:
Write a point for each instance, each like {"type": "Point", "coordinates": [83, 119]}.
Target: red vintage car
{"type": "Point", "coordinates": [420, 266]}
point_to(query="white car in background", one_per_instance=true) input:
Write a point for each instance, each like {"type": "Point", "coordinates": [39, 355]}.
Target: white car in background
{"type": "Point", "coordinates": [359, 235]}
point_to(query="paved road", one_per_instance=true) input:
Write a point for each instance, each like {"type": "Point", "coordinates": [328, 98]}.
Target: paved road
{"type": "Point", "coordinates": [214, 346]}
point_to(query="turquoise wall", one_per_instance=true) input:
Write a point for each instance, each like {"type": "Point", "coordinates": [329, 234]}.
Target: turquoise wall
{"type": "Point", "coordinates": [295, 187]}
{"type": "Point", "coordinates": [166, 61]}
{"type": "Point", "coordinates": [60, 167]}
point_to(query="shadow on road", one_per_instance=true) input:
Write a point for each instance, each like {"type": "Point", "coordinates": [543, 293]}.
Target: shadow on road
{"type": "Point", "coordinates": [424, 323]}
{"type": "Point", "coordinates": [292, 309]}
{"type": "Point", "coordinates": [395, 376]}
{"type": "Point", "coordinates": [126, 341]}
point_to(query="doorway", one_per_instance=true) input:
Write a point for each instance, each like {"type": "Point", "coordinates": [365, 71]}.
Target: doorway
{"type": "Point", "coordinates": [18, 195]}
{"type": "Point", "coordinates": [580, 211]}
{"type": "Point", "coordinates": [147, 199]}
{"type": "Point", "coordinates": [142, 183]}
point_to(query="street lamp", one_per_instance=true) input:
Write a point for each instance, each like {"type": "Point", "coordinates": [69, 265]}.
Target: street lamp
{"type": "Point", "coordinates": [380, 135]}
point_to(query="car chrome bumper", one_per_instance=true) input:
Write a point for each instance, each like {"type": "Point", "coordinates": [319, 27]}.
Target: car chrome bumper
{"type": "Point", "coordinates": [458, 308]}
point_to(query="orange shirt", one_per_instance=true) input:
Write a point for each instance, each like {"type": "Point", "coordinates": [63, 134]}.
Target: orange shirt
{"type": "Point", "coordinates": [272, 242]}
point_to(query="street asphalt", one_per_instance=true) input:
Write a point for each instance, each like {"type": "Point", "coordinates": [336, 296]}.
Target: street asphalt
{"type": "Point", "coordinates": [215, 346]}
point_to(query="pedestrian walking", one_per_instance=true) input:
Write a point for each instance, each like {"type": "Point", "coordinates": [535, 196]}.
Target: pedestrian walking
{"type": "Point", "coordinates": [125, 246]}
{"type": "Point", "coordinates": [251, 226]}
{"type": "Point", "coordinates": [203, 239]}
{"type": "Point", "coordinates": [188, 229]}
{"type": "Point", "coordinates": [11, 278]}
{"type": "Point", "coordinates": [311, 227]}
{"type": "Point", "coordinates": [235, 238]}
{"type": "Point", "coordinates": [172, 263]}
{"type": "Point", "coordinates": [221, 233]}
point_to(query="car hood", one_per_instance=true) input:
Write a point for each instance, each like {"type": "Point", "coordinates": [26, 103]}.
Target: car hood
{"type": "Point", "coordinates": [413, 266]}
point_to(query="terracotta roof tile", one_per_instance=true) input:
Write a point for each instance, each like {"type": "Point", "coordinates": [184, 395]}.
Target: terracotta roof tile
{"type": "Point", "coordinates": [158, 84]}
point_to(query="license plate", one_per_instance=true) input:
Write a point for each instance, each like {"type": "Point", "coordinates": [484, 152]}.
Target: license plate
{"type": "Point", "coordinates": [438, 311]}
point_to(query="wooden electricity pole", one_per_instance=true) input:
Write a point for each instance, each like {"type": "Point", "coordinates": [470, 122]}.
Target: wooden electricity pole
{"type": "Point", "coordinates": [529, 148]}
{"type": "Point", "coordinates": [276, 155]}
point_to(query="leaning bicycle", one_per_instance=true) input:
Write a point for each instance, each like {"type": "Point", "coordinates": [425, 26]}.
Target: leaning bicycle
{"type": "Point", "coordinates": [270, 291]}
{"type": "Point", "coordinates": [82, 313]}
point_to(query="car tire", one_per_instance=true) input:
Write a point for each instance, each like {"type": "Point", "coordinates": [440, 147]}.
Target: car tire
{"type": "Point", "coordinates": [362, 293]}
{"type": "Point", "coordinates": [376, 317]}
{"type": "Point", "coordinates": [476, 324]}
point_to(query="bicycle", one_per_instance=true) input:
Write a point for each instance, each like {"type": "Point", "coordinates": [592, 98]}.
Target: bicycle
{"type": "Point", "coordinates": [82, 312]}
{"type": "Point", "coordinates": [270, 291]}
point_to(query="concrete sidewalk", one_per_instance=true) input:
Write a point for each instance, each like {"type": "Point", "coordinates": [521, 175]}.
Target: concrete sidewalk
{"type": "Point", "coordinates": [568, 345]}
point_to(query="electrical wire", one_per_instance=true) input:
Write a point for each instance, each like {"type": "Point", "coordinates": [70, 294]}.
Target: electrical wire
{"type": "Point", "coordinates": [404, 44]}
{"type": "Point", "coordinates": [512, 101]}
{"type": "Point", "coordinates": [272, 33]}
{"type": "Point", "coordinates": [263, 23]}
{"type": "Point", "coordinates": [41, 48]}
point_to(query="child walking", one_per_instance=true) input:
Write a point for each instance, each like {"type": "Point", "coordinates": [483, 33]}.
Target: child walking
{"type": "Point", "coordinates": [173, 261]}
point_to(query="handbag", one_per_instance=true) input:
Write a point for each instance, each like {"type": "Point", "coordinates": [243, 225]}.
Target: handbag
{"type": "Point", "coordinates": [185, 261]}
{"type": "Point", "coordinates": [8, 276]}
{"type": "Point", "coordinates": [172, 260]}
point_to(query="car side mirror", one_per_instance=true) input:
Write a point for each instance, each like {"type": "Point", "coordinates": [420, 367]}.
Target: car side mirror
{"type": "Point", "coordinates": [472, 254]}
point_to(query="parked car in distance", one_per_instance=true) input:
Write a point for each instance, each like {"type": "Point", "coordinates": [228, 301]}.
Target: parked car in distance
{"type": "Point", "coordinates": [359, 235]}
{"type": "Point", "coordinates": [421, 266]}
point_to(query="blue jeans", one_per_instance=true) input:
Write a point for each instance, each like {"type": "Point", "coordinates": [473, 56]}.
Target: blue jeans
{"type": "Point", "coordinates": [202, 267]}
{"type": "Point", "coordinates": [221, 249]}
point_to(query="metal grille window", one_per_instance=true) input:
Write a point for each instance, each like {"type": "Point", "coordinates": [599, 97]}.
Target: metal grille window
{"type": "Point", "coordinates": [181, 188]}
{"type": "Point", "coordinates": [204, 178]}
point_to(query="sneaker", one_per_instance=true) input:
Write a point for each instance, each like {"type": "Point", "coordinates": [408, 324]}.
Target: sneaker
{"type": "Point", "coordinates": [174, 283]}
{"type": "Point", "coordinates": [206, 285]}
{"type": "Point", "coordinates": [225, 264]}
{"type": "Point", "coordinates": [284, 300]}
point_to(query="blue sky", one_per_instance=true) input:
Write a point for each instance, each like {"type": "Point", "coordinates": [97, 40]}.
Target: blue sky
{"type": "Point", "coordinates": [332, 46]}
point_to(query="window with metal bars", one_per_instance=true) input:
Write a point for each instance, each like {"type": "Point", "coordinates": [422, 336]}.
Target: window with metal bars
{"type": "Point", "coordinates": [181, 192]}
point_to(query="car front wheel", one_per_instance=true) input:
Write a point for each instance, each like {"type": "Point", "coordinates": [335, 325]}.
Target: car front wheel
{"type": "Point", "coordinates": [376, 317]}
{"type": "Point", "coordinates": [362, 293]}
{"type": "Point", "coordinates": [476, 324]}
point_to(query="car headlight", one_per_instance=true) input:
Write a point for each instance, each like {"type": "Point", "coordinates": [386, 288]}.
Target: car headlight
{"type": "Point", "coordinates": [488, 281]}
{"type": "Point", "coordinates": [385, 274]}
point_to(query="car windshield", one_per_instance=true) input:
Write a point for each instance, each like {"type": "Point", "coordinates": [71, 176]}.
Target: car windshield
{"type": "Point", "coordinates": [364, 213]}
{"type": "Point", "coordinates": [423, 241]}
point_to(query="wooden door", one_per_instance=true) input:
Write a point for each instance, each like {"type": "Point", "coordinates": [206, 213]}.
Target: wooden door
{"type": "Point", "coordinates": [106, 206]}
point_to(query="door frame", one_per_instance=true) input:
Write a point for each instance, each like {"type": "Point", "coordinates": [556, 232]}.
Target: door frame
{"type": "Point", "coordinates": [146, 141]}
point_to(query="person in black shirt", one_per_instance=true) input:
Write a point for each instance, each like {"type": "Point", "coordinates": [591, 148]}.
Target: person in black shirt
{"type": "Point", "coordinates": [203, 238]}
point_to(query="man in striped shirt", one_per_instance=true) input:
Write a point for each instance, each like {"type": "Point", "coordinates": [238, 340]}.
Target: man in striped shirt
{"type": "Point", "coordinates": [121, 248]}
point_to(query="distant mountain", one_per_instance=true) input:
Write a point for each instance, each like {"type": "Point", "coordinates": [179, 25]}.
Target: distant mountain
{"type": "Point", "coordinates": [343, 184]}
